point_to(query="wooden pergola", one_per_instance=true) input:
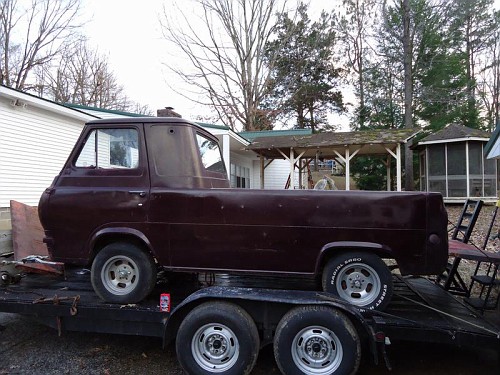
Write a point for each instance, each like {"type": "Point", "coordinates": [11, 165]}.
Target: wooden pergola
{"type": "Point", "coordinates": [339, 146]}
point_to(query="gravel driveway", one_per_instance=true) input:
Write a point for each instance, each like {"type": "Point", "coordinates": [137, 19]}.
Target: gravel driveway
{"type": "Point", "coordinates": [27, 347]}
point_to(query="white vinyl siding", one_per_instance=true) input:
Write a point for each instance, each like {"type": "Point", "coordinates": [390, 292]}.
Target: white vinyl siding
{"type": "Point", "coordinates": [34, 144]}
{"type": "Point", "coordinates": [275, 175]}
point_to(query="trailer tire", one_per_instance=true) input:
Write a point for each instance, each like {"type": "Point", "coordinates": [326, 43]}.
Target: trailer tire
{"type": "Point", "coordinates": [217, 338]}
{"type": "Point", "coordinates": [316, 340]}
{"type": "Point", "coordinates": [123, 273]}
{"type": "Point", "coordinates": [362, 279]}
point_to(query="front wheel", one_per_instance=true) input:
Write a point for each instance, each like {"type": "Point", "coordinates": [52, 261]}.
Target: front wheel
{"type": "Point", "coordinates": [123, 273]}
{"type": "Point", "coordinates": [217, 338]}
{"type": "Point", "coordinates": [361, 279]}
{"type": "Point", "coordinates": [316, 340]}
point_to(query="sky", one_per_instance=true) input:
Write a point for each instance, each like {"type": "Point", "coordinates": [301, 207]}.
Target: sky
{"type": "Point", "coordinates": [128, 32]}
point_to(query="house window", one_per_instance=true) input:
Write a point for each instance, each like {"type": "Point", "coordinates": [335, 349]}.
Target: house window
{"type": "Point", "coordinates": [240, 177]}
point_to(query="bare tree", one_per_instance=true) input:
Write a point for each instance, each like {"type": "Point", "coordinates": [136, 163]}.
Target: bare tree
{"type": "Point", "coordinates": [31, 34]}
{"type": "Point", "coordinates": [83, 76]}
{"type": "Point", "coordinates": [354, 29]}
{"type": "Point", "coordinates": [225, 45]}
{"type": "Point", "coordinates": [488, 83]}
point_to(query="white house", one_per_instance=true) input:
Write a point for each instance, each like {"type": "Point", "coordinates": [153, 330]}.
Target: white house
{"type": "Point", "coordinates": [276, 171]}
{"type": "Point", "coordinates": [37, 135]}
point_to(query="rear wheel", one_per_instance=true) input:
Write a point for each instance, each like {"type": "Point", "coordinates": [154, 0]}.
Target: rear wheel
{"type": "Point", "coordinates": [123, 273]}
{"type": "Point", "coordinates": [316, 340]}
{"type": "Point", "coordinates": [217, 338]}
{"type": "Point", "coordinates": [361, 279]}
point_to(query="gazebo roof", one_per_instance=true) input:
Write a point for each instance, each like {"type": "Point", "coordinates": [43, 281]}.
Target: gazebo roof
{"type": "Point", "coordinates": [368, 142]}
{"type": "Point", "coordinates": [455, 132]}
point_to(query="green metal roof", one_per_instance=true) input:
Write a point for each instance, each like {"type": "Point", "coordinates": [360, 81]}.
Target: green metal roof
{"type": "Point", "coordinates": [212, 126]}
{"type": "Point", "coordinates": [115, 112]}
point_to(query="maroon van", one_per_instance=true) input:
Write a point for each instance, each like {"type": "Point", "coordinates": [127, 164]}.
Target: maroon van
{"type": "Point", "coordinates": [139, 194]}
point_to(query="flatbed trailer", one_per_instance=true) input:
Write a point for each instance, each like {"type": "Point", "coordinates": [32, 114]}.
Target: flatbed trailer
{"type": "Point", "coordinates": [419, 311]}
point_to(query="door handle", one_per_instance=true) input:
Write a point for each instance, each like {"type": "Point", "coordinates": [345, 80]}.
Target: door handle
{"type": "Point", "coordinates": [138, 192]}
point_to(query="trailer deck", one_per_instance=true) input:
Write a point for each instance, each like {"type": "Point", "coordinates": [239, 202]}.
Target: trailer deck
{"type": "Point", "coordinates": [420, 310]}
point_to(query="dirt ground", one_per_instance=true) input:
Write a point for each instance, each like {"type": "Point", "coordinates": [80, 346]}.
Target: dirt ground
{"type": "Point", "coordinates": [27, 347]}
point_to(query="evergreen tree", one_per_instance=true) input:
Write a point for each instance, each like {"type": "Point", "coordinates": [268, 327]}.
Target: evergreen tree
{"type": "Point", "coordinates": [304, 81]}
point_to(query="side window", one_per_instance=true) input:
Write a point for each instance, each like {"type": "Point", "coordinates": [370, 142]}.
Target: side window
{"type": "Point", "coordinates": [110, 149]}
{"type": "Point", "coordinates": [211, 156]}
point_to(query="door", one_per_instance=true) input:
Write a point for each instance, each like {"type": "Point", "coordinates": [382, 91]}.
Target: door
{"type": "Point", "coordinates": [105, 184]}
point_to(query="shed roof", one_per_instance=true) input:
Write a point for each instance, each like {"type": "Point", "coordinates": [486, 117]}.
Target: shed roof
{"type": "Point", "coordinates": [367, 141]}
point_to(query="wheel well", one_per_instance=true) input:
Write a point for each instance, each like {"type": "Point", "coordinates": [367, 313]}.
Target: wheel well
{"type": "Point", "coordinates": [330, 252]}
{"type": "Point", "coordinates": [107, 239]}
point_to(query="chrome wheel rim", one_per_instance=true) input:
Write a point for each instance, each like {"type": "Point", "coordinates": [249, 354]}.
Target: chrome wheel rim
{"type": "Point", "coordinates": [317, 350]}
{"type": "Point", "coordinates": [358, 284]}
{"type": "Point", "coordinates": [215, 347]}
{"type": "Point", "coordinates": [120, 275]}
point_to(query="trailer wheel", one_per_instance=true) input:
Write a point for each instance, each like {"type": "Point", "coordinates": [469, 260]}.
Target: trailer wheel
{"type": "Point", "coordinates": [123, 273]}
{"type": "Point", "coordinates": [361, 279]}
{"type": "Point", "coordinates": [316, 340]}
{"type": "Point", "coordinates": [217, 338]}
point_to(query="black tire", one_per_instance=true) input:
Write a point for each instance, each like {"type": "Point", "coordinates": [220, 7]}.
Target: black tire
{"type": "Point", "coordinates": [138, 273]}
{"type": "Point", "coordinates": [362, 279]}
{"type": "Point", "coordinates": [316, 340]}
{"type": "Point", "coordinates": [217, 338]}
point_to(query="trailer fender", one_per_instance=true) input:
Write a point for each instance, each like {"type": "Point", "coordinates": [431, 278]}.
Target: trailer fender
{"type": "Point", "coordinates": [290, 298]}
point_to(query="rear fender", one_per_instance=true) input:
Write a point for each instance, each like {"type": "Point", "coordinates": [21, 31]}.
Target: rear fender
{"type": "Point", "coordinates": [342, 246]}
{"type": "Point", "coordinates": [108, 235]}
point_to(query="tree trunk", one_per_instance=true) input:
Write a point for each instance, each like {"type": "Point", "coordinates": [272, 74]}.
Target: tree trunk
{"type": "Point", "coordinates": [407, 50]}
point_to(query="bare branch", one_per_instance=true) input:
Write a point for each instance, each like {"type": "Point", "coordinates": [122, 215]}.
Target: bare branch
{"type": "Point", "coordinates": [43, 26]}
{"type": "Point", "coordinates": [224, 41]}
